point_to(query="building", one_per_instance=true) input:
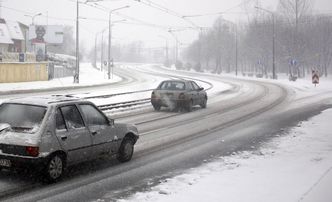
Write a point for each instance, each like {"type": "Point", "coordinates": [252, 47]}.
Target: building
{"type": "Point", "coordinates": [12, 36]}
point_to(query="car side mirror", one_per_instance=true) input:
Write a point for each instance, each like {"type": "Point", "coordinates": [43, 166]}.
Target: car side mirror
{"type": "Point", "coordinates": [201, 88]}
{"type": "Point", "coordinates": [111, 122]}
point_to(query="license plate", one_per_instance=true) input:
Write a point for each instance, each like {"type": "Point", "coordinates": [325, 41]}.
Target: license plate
{"type": "Point", "coordinates": [5, 163]}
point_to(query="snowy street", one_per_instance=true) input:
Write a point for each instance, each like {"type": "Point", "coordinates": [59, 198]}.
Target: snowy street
{"type": "Point", "coordinates": [180, 154]}
{"type": "Point", "coordinates": [165, 101]}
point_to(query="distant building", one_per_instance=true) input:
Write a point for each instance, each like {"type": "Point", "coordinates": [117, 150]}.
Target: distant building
{"type": "Point", "coordinates": [12, 36]}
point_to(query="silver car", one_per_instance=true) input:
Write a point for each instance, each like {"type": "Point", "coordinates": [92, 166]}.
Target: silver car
{"type": "Point", "coordinates": [52, 132]}
{"type": "Point", "coordinates": [178, 94]}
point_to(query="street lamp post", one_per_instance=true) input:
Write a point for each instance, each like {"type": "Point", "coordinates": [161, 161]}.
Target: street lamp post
{"type": "Point", "coordinates": [102, 50]}
{"type": "Point", "coordinates": [176, 45]}
{"type": "Point", "coordinates": [77, 72]}
{"type": "Point", "coordinates": [236, 50]}
{"type": "Point", "coordinates": [274, 76]}
{"type": "Point", "coordinates": [110, 40]}
{"type": "Point", "coordinates": [236, 47]}
{"type": "Point", "coordinates": [102, 47]}
{"type": "Point", "coordinates": [33, 17]}
{"type": "Point", "coordinates": [166, 49]}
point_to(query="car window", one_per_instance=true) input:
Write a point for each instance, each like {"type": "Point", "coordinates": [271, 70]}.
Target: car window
{"type": "Point", "coordinates": [92, 115]}
{"type": "Point", "coordinates": [196, 87]}
{"type": "Point", "coordinates": [60, 122]}
{"type": "Point", "coordinates": [172, 85]}
{"type": "Point", "coordinates": [72, 117]}
{"type": "Point", "coordinates": [22, 117]}
{"type": "Point", "coordinates": [189, 86]}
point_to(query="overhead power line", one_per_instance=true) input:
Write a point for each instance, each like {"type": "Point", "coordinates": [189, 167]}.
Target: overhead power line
{"type": "Point", "coordinates": [159, 7]}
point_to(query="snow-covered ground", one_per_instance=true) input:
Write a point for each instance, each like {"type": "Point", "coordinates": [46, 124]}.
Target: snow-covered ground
{"type": "Point", "coordinates": [88, 76]}
{"type": "Point", "coordinates": [292, 167]}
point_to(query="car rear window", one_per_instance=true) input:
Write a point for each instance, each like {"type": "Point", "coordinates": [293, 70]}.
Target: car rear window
{"type": "Point", "coordinates": [172, 85]}
{"type": "Point", "coordinates": [22, 117]}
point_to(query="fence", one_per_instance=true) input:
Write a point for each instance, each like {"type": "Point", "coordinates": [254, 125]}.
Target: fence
{"type": "Point", "coordinates": [15, 57]}
{"type": "Point", "coordinates": [23, 72]}
{"type": "Point", "coordinates": [58, 71]}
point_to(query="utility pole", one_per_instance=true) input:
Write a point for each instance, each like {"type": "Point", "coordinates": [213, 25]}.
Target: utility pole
{"type": "Point", "coordinates": [77, 72]}
{"type": "Point", "coordinates": [109, 45]}
{"type": "Point", "coordinates": [95, 58]}
{"type": "Point", "coordinates": [167, 59]}
{"type": "Point", "coordinates": [274, 75]}
{"type": "Point", "coordinates": [102, 52]}
{"type": "Point", "coordinates": [0, 8]}
{"type": "Point", "coordinates": [236, 50]}
{"type": "Point", "coordinates": [110, 40]}
{"type": "Point", "coordinates": [176, 45]}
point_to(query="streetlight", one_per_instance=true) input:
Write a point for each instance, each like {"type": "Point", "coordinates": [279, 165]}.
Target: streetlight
{"type": "Point", "coordinates": [102, 47]}
{"type": "Point", "coordinates": [236, 47]}
{"type": "Point", "coordinates": [110, 39]}
{"type": "Point", "coordinates": [33, 17]}
{"type": "Point", "coordinates": [176, 44]}
{"type": "Point", "coordinates": [166, 49]}
{"type": "Point", "coordinates": [273, 41]}
{"type": "Point", "coordinates": [77, 71]}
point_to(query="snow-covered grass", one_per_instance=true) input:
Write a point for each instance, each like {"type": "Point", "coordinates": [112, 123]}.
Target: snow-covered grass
{"type": "Point", "coordinates": [293, 167]}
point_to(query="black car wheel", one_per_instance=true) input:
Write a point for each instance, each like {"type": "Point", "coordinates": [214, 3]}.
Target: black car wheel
{"type": "Point", "coordinates": [189, 106]}
{"type": "Point", "coordinates": [54, 168]}
{"type": "Point", "coordinates": [126, 150]}
{"type": "Point", "coordinates": [204, 103]}
{"type": "Point", "coordinates": [156, 107]}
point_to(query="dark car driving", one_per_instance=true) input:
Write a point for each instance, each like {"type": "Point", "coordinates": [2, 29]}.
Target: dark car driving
{"type": "Point", "coordinates": [182, 94]}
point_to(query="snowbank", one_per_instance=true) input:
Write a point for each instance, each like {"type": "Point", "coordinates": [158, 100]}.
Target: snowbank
{"type": "Point", "coordinates": [293, 167]}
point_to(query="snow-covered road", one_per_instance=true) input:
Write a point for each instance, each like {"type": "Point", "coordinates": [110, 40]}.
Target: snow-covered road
{"type": "Point", "coordinates": [285, 166]}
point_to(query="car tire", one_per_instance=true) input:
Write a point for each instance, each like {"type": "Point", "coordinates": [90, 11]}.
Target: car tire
{"type": "Point", "coordinates": [204, 103]}
{"type": "Point", "coordinates": [54, 168]}
{"type": "Point", "coordinates": [189, 106]}
{"type": "Point", "coordinates": [126, 150]}
{"type": "Point", "coordinates": [156, 107]}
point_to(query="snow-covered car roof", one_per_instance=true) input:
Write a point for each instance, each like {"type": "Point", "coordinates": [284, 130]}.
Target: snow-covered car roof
{"type": "Point", "coordinates": [44, 100]}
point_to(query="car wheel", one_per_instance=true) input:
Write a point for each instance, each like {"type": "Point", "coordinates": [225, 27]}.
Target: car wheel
{"type": "Point", "coordinates": [54, 168]}
{"type": "Point", "coordinates": [126, 150]}
{"type": "Point", "coordinates": [204, 103]}
{"type": "Point", "coordinates": [156, 107]}
{"type": "Point", "coordinates": [190, 106]}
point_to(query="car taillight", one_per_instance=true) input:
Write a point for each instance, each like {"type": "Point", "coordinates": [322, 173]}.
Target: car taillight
{"type": "Point", "coordinates": [32, 151]}
{"type": "Point", "coordinates": [182, 96]}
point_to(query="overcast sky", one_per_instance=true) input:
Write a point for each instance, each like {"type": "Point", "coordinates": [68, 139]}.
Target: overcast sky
{"type": "Point", "coordinates": [63, 12]}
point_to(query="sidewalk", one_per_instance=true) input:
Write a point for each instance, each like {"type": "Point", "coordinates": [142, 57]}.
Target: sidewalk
{"type": "Point", "coordinates": [89, 76]}
{"type": "Point", "coordinates": [321, 191]}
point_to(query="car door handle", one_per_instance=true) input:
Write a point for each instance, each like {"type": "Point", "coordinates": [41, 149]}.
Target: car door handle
{"type": "Point", "coordinates": [63, 138]}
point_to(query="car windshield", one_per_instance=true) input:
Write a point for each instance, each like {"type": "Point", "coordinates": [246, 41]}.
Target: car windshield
{"type": "Point", "coordinates": [22, 117]}
{"type": "Point", "coordinates": [172, 85]}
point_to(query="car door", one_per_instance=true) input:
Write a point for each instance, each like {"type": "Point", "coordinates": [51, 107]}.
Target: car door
{"type": "Point", "coordinates": [201, 94]}
{"type": "Point", "coordinates": [72, 134]}
{"type": "Point", "coordinates": [102, 132]}
{"type": "Point", "coordinates": [196, 97]}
